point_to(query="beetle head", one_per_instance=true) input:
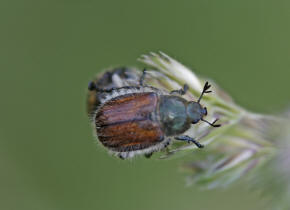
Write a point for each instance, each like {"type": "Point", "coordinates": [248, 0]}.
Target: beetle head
{"type": "Point", "coordinates": [195, 112]}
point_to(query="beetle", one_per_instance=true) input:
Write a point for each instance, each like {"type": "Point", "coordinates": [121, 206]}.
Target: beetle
{"type": "Point", "coordinates": [135, 120]}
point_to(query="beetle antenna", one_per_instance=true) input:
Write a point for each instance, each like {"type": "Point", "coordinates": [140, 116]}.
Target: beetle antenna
{"type": "Point", "coordinates": [213, 123]}
{"type": "Point", "coordinates": [205, 90]}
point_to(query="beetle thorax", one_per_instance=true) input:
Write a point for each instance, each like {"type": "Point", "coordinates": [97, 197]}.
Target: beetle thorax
{"type": "Point", "coordinates": [173, 115]}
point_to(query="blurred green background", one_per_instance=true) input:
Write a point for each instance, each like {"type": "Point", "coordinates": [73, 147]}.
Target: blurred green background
{"type": "Point", "coordinates": [49, 50]}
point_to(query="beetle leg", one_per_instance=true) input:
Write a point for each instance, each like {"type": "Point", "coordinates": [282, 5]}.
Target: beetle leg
{"type": "Point", "coordinates": [167, 144]}
{"type": "Point", "coordinates": [181, 91]}
{"type": "Point", "coordinates": [213, 124]}
{"type": "Point", "coordinates": [148, 155]}
{"type": "Point", "coordinates": [92, 86]}
{"type": "Point", "coordinates": [189, 139]}
{"type": "Point", "coordinates": [122, 157]}
{"type": "Point", "coordinates": [142, 77]}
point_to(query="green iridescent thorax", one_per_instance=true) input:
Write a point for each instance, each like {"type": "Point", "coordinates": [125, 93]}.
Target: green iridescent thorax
{"type": "Point", "coordinates": [173, 115]}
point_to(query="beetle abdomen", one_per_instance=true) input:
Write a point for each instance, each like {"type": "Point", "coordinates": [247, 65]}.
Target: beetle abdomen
{"type": "Point", "coordinates": [125, 123]}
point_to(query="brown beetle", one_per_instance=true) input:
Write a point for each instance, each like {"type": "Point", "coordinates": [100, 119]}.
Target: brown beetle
{"type": "Point", "coordinates": [142, 119]}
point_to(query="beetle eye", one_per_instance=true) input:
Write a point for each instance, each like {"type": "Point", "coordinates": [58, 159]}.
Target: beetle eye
{"type": "Point", "coordinates": [205, 111]}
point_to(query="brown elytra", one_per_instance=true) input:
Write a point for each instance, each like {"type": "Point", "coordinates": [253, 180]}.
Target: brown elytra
{"type": "Point", "coordinates": [128, 122]}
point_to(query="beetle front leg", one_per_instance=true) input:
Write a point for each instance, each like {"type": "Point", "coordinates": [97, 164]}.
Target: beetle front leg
{"type": "Point", "coordinates": [189, 139]}
{"type": "Point", "coordinates": [181, 91]}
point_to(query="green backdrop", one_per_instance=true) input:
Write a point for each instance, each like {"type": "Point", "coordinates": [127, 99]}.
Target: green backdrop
{"type": "Point", "coordinates": [49, 50]}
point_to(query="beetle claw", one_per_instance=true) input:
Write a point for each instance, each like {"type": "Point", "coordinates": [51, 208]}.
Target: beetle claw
{"type": "Point", "coordinates": [215, 125]}
{"type": "Point", "coordinates": [148, 155]}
